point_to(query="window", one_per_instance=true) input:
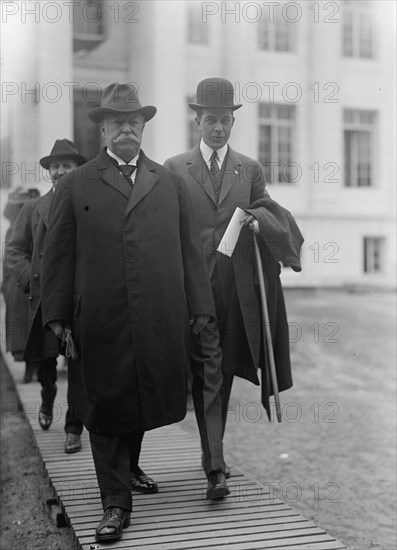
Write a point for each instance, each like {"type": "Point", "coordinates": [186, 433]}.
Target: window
{"type": "Point", "coordinates": [193, 133]}
{"type": "Point", "coordinates": [359, 140]}
{"type": "Point", "coordinates": [373, 254]}
{"type": "Point", "coordinates": [275, 142]}
{"type": "Point", "coordinates": [275, 34]}
{"type": "Point", "coordinates": [197, 29]}
{"type": "Point", "coordinates": [357, 29]}
{"type": "Point", "coordinates": [88, 30]}
{"type": "Point", "coordinates": [87, 137]}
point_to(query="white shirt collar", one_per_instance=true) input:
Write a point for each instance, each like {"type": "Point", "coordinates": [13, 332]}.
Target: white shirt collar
{"type": "Point", "coordinates": [119, 161]}
{"type": "Point", "coordinates": [206, 152]}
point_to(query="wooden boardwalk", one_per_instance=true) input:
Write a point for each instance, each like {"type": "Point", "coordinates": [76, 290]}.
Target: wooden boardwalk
{"type": "Point", "coordinates": [178, 517]}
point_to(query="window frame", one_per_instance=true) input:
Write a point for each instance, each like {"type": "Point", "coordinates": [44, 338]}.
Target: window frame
{"type": "Point", "coordinates": [374, 251]}
{"type": "Point", "coordinates": [273, 30]}
{"type": "Point", "coordinates": [356, 128]}
{"type": "Point", "coordinates": [196, 26]}
{"type": "Point", "coordinates": [275, 123]}
{"type": "Point", "coordinates": [361, 16]}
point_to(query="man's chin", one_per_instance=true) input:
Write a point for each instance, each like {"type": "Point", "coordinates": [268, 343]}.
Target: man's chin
{"type": "Point", "coordinates": [126, 150]}
{"type": "Point", "coordinates": [217, 143]}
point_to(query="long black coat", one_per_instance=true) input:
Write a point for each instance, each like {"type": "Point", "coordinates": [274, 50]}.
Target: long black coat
{"type": "Point", "coordinates": [244, 349]}
{"type": "Point", "coordinates": [124, 269]}
{"type": "Point", "coordinates": [24, 255]}
{"type": "Point", "coordinates": [16, 302]}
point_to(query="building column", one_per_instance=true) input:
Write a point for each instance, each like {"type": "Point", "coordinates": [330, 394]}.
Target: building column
{"type": "Point", "coordinates": [55, 71]}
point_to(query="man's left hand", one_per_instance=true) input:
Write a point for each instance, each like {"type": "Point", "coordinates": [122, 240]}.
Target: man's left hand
{"type": "Point", "coordinates": [199, 322]}
{"type": "Point", "coordinates": [251, 221]}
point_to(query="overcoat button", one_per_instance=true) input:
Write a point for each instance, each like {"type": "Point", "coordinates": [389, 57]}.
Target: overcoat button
{"type": "Point", "coordinates": [36, 276]}
{"type": "Point", "coordinates": [30, 298]}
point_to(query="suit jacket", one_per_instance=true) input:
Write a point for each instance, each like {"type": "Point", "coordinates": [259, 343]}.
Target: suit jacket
{"type": "Point", "coordinates": [24, 258]}
{"type": "Point", "coordinates": [243, 184]}
{"type": "Point", "coordinates": [123, 267]}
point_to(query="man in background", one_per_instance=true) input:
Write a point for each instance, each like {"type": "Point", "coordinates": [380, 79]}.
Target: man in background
{"type": "Point", "coordinates": [24, 259]}
{"type": "Point", "coordinates": [17, 304]}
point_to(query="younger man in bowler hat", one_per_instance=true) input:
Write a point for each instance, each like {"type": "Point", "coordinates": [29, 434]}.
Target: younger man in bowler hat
{"type": "Point", "coordinates": [219, 179]}
{"type": "Point", "coordinates": [24, 259]}
{"type": "Point", "coordinates": [129, 279]}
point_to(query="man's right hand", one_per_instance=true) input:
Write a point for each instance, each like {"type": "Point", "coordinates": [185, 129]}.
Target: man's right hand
{"type": "Point", "coordinates": [57, 328]}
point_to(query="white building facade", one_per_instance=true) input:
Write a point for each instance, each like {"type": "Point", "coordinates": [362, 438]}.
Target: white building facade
{"type": "Point", "coordinates": [317, 83]}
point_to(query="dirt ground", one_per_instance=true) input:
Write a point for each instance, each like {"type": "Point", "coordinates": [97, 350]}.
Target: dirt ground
{"type": "Point", "coordinates": [333, 458]}
{"type": "Point", "coordinates": [25, 524]}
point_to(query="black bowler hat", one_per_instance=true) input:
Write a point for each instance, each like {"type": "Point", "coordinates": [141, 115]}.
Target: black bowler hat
{"type": "Point", "coordinates": [215, 93]}
{"type": "Point", "coordinates": [120, 98]}
{"type": "Point", "coordinates": [63, 150]}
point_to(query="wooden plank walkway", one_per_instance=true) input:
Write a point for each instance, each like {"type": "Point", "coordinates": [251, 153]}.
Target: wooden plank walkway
{"type": "Point", "coordinates": [178, 517]}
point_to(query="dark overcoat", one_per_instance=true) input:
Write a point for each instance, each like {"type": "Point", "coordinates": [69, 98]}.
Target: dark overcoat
{"type": "Point", "coordinates": [16, 302]}
{"type": "Point", "coordinates": [24, 256]}
{"type": "Point", "coordinates": [124, 269]}
{"type": "Point", "coordinates": [245, 349]}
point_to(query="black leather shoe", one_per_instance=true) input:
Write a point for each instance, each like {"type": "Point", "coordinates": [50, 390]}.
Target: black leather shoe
{"type": "Point", "coordinates": [72, 443]}
{"type": "Point", "coordinates": [112, 524]}
{"type": "Point", "coordinates": [142, 483]}
{"type": "Point", "coordinates": [217, 486]}
{"type": "Point", "coordinates": [45, 419]}
{"type": "Point", "coordinates": [48, 394]}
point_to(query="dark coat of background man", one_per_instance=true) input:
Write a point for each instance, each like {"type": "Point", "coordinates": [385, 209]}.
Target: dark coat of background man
{"type": "Point", "coordinates": [16, 302]}
{"type": "Point", "coordinates": [220, 179]}
{"type": "Point", "coordinates": [24, 259]}
{"type": "Point", "coordinates": [123, 268]}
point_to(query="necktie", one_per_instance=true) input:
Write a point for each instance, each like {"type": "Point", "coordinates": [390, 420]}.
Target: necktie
{"type": "Point", "coordinates": [215, 174]}
{"type": "Point", "coordinates": [214, 168]}
{"type": "Point", "coordinates": [127, 170]}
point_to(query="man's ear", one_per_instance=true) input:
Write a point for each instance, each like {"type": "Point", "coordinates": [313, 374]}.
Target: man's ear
{"type": "Point", "coordinates": [233, 119]}
{"type": "Point", "coordinates": [198, 120]}
{"type": "Point", "coordinates": [102, 129]}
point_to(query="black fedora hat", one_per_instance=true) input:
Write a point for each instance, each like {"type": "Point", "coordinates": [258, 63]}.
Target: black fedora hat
{"type": "Point", "coordinates": [120, 98]}
{"type": "Point", "coordinates": [63, 149]}
{"type": "Point", "coordinates": [215, 93]}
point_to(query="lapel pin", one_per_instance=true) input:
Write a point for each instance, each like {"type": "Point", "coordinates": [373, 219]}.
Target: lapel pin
{"type": "Point", "coordinates": [236, 171]}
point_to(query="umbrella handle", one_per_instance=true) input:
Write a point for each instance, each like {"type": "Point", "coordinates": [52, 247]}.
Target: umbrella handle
{"type": "Point", "coordinates": [267, 336]}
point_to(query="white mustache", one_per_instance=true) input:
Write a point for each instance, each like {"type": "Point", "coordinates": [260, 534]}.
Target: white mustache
{"type": "Point", "coordinates": [129, 137]}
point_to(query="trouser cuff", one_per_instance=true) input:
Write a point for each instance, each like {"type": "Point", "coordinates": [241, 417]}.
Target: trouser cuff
{"type": "Point", "coordinates": [214, 465]}
{"type": "Point", "coordinates": [120, 501]}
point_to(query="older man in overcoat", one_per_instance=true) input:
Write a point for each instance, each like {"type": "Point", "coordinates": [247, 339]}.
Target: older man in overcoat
{"type": "Point", "coordinates": [220, 179]}
{"type": "Point", "coordinates": [123, 269]}
{"type": "Point", "coordinates": [24, 259]}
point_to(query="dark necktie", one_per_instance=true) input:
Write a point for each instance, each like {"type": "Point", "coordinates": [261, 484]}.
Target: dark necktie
{"type": "Point", "coordinates": [216, 175]}
{"type": "Point", "coordinates": [127, 170]}
{"type": "Point", "coordinates": [214, 168]}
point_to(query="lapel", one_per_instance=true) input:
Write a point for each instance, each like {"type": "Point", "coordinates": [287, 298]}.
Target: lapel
{"type": "Point", "coordinates": [44, 205]}
{"type": "Point", "coordinates": [110, 174]}
{"type": "Point", "coordinates": [231, 173]}
{"type": "Point", "coordinates": [145, 180]}
{"type": "Point", "coordinates": [198, 170]}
